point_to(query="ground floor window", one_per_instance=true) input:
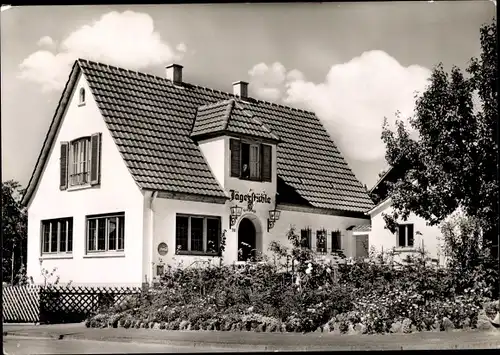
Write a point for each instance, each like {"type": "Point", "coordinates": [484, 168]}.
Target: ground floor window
{"type": "Point", "coordinates": [336, 241]}
{"type": "Point", "coordinates": [197, 234]}
{"type": "Point", "coordinates": [305, 238]}
{"type": "Point", "coordinates": [405, 235]}
{"type": "Point", "coordinates": [106, 232]}
{"type": "Point", "coordinates": [321, 241]}
{"type": "Point", "coordinates": [57, 235]}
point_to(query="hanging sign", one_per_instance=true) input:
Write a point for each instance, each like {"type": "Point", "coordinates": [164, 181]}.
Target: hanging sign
{"type": "Point", "coordinates": [162, 249]}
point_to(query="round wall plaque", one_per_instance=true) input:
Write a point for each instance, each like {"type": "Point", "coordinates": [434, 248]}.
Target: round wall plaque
{"type": "Point", "coordinates": [162, 249]}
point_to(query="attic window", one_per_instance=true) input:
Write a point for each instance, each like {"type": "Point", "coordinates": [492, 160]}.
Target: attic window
{"type": "Point", "coordinates": [81, 101]}
{"type": "Point", "coordinates": [251, 161]}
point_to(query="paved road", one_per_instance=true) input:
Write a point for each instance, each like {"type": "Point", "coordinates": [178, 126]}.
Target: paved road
{"type": "Point", "coordinates": [25, 346]}
{"type": "Point", "coordinates": [185, 341]}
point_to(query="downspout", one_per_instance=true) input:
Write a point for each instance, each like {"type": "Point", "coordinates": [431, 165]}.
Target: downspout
{"type": "Point", "coordinates": [151, 234]}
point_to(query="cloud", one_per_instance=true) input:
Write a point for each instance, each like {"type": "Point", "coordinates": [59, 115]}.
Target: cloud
{"type": "Point", "coordinates": [353, 99]}
{"type": "Point", "coordinates": [46, 41]}
{"type": "Point", "coordinates": [267, 81]}
{"type": "Point", "coordinates": [126, 39]}
{"type": "Point", "coordinates": [181, 47]}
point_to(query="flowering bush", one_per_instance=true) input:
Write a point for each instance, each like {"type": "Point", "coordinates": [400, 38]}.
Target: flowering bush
{"type": "Point", "coordinates": [300, 291]}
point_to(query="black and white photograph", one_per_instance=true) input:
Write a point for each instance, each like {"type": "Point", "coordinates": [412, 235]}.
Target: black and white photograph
{"type": "Point", "coordinates": [250, 177]}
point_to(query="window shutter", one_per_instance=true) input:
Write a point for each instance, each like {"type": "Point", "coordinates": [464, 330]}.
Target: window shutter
{"type": "Point", "coordinates": [266, 162]}
{"type": "Point", "coordinates": [95, 158]}
{"type": "Point", "coordinates": [235, 147]}
{"type": "Point", "coordinates": [63, 184]}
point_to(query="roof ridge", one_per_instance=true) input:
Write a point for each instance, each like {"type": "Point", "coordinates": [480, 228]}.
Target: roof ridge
{"type": "Point", "coordinates": [199, 86]}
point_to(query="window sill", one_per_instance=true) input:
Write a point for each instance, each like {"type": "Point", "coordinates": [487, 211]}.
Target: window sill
{"type": "Point", "coordinates": [196, 253]}
{"type": "Point", "coordinates": [405, 249]}
{"type": "Point", "coordinates": [55, 256]}
{"type": "Point", "coordinates": [250, 179]}
{"type": "Point", "coordinates": [79, 187]}
{"type": "Point", "coordinates": [104, 255]}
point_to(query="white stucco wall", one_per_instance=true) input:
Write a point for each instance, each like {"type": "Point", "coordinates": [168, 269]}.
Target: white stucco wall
{"type": "Point", "coordinates": [164, 228]}
{"type": "Point", "coordinates": [316, 222]}
{"type": "Point", "coordinates": [165, 211]}
{"type": "Point", "coordinates": [424, 235]}
{"type": "Point", "coordinates": [217, 153]}
{"type": "Point", "coordinates": [213, 151]}
{"type": "Point", "coordinates": [117, 193]}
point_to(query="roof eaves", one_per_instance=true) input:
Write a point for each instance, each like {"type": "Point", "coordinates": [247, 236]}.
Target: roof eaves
{"type": "Point", "coordinates": [383, 202]}
{"type": "Point", "coordinates": [51, 134]}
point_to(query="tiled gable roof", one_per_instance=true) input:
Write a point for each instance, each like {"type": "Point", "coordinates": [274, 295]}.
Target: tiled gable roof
{"type": "Point", "coordinates": [228, 116]}
{"type": "Point", "coordinates": [151, 120]}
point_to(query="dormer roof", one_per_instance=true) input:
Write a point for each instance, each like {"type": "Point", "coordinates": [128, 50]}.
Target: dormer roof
{"type": "Point", "coordinates": [228, 117]}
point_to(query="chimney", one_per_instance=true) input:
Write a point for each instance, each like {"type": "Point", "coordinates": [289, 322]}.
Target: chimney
{"type": "Point", "coordinates": [240, 88]}
{"type": "Point", "coordinates": [174, 73]}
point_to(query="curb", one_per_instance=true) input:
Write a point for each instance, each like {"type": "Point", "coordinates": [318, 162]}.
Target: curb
{"type": "Point", "coordinates": [258, 347]}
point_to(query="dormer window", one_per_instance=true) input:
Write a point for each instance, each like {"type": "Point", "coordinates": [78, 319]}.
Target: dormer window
{"type": "Point", "coordinates": [251, 161]}
{"type": "Point", "coordinates": [82, 97]}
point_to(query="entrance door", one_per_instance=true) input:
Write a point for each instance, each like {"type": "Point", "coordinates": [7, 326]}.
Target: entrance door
{"type": "Point", "coordinates": [246, 240]}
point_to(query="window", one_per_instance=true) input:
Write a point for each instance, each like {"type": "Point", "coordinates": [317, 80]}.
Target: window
{"type": "Point", "coordinates": [82, 97]}
{"type": "Point", "coordinates": [405, 235]}
{"type": "Point", "coordinates": [197, 234]}
{"type": "Point", "coordinates": [321, 241]}
{"type": "Point", "coordinates": [336, 241]}
{"type": "Point", "coordinates": [57, 235]}
{"type": "Point", "coordinates": [251, 161]}
{"type": "Point", "coordinates": [80, 162]}
{"type": "Point", "coordinates": [106, 233]}
{"type": "Point", "coordinates": [305, 238]}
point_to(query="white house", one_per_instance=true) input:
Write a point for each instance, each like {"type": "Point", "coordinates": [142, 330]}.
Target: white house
{"type": "Point", "coordinates": [412, 234]}
{"type": "Point", "coordinates": [138, 171]}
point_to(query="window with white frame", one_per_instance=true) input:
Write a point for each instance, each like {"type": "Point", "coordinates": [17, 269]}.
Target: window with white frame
{"type": "Point", "coordinates": [57, 235]}
{"type": "Point", "coordinates": [106, 233]}
{"type": "Point", "coordinates": [80, 162]}
{"type": "Point", "coordinates": [405, 235]}
{"type": "Point", "coordinates": [197, 234]}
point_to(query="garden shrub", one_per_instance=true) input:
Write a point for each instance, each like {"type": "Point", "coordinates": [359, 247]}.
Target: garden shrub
{"type": "Point", "coordinates": [374, 296]}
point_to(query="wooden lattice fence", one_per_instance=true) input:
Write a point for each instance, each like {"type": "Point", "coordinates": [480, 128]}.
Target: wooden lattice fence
{"type": "Point", "coordinates": [21, 304]}
{"type": "Point", "coordinates": [59, 304]}
{"type": "Point", "coordinates": [62, 304]}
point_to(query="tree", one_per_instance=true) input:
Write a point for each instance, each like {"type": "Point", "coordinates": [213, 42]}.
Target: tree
{"type": "Point", "coordinates": [453, 162]}
{"type": "Point", "coordinates": [14, 230]}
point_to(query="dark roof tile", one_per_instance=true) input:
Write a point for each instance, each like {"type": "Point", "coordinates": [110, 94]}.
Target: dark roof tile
{"type": "Point", "coordinates": [151, 121]}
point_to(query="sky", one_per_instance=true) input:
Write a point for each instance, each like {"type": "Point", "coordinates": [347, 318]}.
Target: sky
{"type": "Point", "coordinates": [351, 63]}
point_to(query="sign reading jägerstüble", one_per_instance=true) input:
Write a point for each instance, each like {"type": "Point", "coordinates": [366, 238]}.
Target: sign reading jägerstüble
{"type": "Point", "coordinates": [249, 197]}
